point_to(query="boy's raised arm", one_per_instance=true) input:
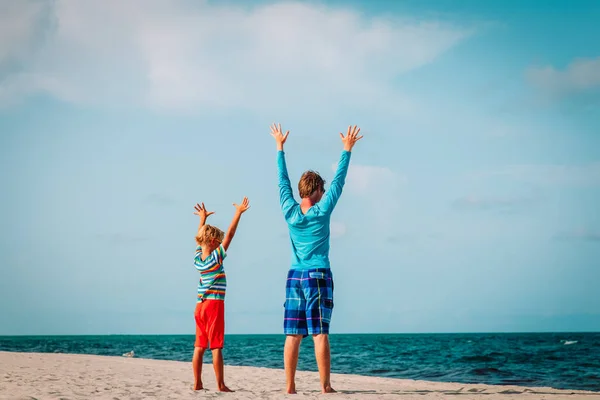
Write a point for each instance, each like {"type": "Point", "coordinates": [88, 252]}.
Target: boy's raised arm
{"type": "Point", "coordinates": [239, 210]}
{"type": "Point", "coordinates": [202, 213]}
{"type": "Point", "coordinates": [286, 195]}
{"type": "Point", "coordinates": [337, 184]}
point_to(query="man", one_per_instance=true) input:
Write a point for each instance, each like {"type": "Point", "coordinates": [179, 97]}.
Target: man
{"type": "Point", "coordinates": [309, 287]}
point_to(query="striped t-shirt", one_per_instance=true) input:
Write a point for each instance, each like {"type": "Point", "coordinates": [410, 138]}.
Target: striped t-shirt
{"type": "Point", "coordinates": [213, 281]}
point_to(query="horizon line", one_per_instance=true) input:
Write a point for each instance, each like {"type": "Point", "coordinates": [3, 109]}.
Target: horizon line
{"type": "Point", "coordinates": [331, 334]}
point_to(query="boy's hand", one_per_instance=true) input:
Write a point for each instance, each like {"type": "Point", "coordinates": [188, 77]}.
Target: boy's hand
{"type": "Point", "coordinates": [201, 211]}
{"type": "Point", "coordinates": [241, 208]}
{"type": "Point", "coordinates": [280, 138]}
{"type": "Point", "coordinates": [351, 137]}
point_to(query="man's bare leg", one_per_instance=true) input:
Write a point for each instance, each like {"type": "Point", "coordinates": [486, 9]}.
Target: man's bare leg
{"type": "Point", "coordinates": [197, 366]}
{"type": "Point", "coordinates": [323, 356]}
{"type": "Point", "coordinates": [290, 361]}
{"type": "Point", "coordinates": [218, 366]}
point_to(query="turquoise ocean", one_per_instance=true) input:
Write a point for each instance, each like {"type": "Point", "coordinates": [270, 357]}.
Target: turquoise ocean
{"type": "Point", "coordinates": [559, 360]}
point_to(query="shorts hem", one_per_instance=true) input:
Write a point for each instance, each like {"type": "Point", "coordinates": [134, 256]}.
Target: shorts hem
{"type": "Point", "coordinates": [295, 332]}
{"type": "Point", "coordinates": [319, 332]}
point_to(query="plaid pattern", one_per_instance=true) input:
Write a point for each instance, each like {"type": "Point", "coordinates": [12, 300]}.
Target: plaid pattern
{"type": "Point", "coordinates": [309, 301]}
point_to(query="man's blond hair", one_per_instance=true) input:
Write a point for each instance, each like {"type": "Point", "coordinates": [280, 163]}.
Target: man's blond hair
{"type": "Point", "coordinates": [309, 183]}
{"type": "Point", "coordinates": [208, 233]}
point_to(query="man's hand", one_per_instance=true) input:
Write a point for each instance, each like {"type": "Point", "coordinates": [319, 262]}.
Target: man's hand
{"type": "Point", "coordinates": [241, 208]}
{"type": "Point", "coordinates": [201, 211]}
{"type": "Point", "coordinates": [351, 137]}
{"type": "Point", "coordinates": [280, 138]}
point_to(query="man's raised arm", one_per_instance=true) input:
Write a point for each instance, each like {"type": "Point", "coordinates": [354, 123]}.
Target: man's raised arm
{"type": "Point", "coordinates": [286, 195]}
{"type": "Point", "coordinates": [337, 184]}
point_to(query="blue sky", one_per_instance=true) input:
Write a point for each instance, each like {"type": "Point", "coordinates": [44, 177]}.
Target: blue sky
{"type": "Point", "coordinates": [471, 203]}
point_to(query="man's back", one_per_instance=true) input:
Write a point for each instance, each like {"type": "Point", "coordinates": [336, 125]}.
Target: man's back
{"type": "Point", "coordinates": [309, 232]}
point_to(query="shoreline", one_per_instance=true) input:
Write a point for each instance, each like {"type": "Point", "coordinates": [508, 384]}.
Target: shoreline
{"type": "Point", "coordinates": [56, 375]}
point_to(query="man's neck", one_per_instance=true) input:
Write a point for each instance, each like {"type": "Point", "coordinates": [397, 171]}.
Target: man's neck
{"type": "Point", "coordinates": [306, 204]}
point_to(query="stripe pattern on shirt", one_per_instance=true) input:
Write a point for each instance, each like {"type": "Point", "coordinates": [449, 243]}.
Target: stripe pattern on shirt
{"type": "Point", "coordinates": [213, 282]}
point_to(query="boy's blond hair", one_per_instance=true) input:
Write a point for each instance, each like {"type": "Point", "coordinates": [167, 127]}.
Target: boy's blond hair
{"type": "Point", "coordinates": [207, 233]}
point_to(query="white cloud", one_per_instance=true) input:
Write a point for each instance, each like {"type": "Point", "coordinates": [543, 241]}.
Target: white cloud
{"type": "Point", "coordinates": [159, 199]}
{"type": "Point", "coordinates": [18, 20]}
{"type": "Point", "coordinates": [494, 203]}
{"type": "Point", "coordinates": [365, 179]}
{"type": "Point", "coordinates": [550, 174]}
{"type": "Point", "coordinates": [120, 239]}
{"type": "Point", "coordinates": [338, 229]}
{"type": "Point", "coordinates": [183, 56]}
{"type": "Point", "coordinates": [379, 189]}
{"type": "Point", "coordinates": [579, 76]}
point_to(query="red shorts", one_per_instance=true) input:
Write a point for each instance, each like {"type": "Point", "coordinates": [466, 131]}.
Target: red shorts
{"type": "Point", "coordinates": [210, 324]}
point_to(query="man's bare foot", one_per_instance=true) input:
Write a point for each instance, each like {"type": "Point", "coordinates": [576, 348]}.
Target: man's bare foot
{"type": "Point", "coordinates": [198, 386]}
{"type": "Point", "coordinates": [291, 390]}
{"type": "Point", "coordinates": [223, 388]}
{"type": "Point", "coordinates": [329, 389]}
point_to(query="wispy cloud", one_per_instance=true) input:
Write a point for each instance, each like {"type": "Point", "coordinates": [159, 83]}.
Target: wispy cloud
{"type": "Point", "coordinates": [120, 239]}
{"type": "Point", "coordinates": [582, 75]}
{"type": "Point", "coordinates": [411, 238]}
{"type": "Point", "coordinates": [580, 234]}
{"type": "Point", "coordinates": [508, 204]}
{"type": "Point", "coordinates": [549, 174]}
{"type": "Point", "coordinates": [177, 55]}
{"type": "Point", "coordinates": [338, 229]}
{"type": "Point", "coordinates": [380, 191]}
{"type": "Point", "coordinates": [363, 179]}
{"type": "Point", "coordinates": [159, 199]}
{"type": "Point", "coordinates": [18, 23]}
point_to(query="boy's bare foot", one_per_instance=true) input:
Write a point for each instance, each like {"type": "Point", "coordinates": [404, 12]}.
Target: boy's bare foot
{"type": "Point", "coordinates": [223, 388]}
{"type": "Point", "coordinates": [329, 389]}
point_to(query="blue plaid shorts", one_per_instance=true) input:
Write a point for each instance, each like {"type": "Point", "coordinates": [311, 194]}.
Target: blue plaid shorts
{"type": "Point", "coordinates": [308, 301]}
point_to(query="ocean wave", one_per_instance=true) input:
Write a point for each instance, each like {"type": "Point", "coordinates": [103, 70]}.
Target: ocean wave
{"type": "Point", "coordinates": [490, 371]}
{"type": "Point", "coordinates": [476, 359]}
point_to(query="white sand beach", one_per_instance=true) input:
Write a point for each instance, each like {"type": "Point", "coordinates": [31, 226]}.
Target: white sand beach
{"type": "Point", "coordinates": [69, 376]}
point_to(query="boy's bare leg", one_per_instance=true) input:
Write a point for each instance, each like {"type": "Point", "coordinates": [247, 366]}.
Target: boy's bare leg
{"type": "Point", "coordinates": [197, 366]}
{"type": "Point", "coordinates": [290, 361]}
{"type": "Point", "coordinates": [217, 355]}
{"type": "Point", "coordinates": [323, 356]}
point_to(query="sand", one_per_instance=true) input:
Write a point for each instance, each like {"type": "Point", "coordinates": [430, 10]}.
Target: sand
{"type": "Point", "coordinates": [70, 376]}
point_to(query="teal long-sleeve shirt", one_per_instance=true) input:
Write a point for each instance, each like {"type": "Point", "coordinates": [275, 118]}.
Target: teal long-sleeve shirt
{"type": "Point", "coordinates": [309, 233]}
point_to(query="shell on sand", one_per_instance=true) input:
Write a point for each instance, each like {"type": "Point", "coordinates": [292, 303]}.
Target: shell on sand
{"type": "Point", "coordinates": [130, 354]}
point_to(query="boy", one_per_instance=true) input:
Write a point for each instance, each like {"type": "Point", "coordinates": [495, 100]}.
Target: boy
{"type": "Point", "coordinates": [210, 307]}
{"type": "Point", "coordinates": [309, 288]}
